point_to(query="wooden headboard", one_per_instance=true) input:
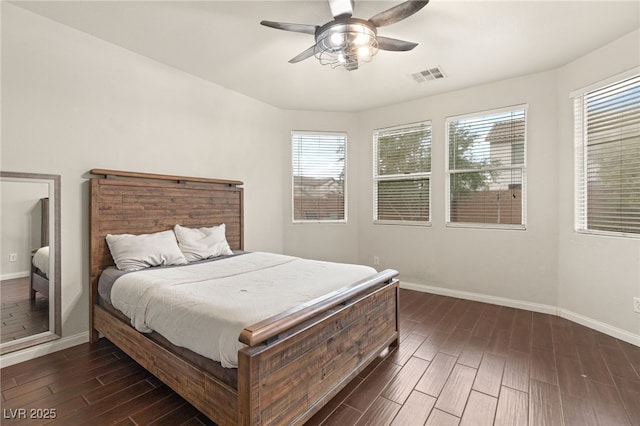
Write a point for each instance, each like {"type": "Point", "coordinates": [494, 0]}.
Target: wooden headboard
{"type": "Point", "coordinates": [142, 203]}
{"type": "Point", "coordinates": [44, 222]}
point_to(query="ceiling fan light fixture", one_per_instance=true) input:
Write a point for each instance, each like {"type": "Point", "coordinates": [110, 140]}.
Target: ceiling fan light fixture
{"type": "Point", "coordinates": [346, 43]}
{"type": "Point", "coordinates": [337, 39]}
{"type": "Point", "coordinates": [361, 39]}
{"type": "Point", "coordinates": [364, 52]}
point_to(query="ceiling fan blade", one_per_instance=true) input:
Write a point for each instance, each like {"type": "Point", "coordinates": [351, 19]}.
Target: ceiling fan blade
{"type": "Point", "coordinates": [304, 55]}
{"type": "Point", "coordinates": [397, 13]}
{"type": "Point", "coordinates": [341, 8]}
{"type": "Point", "coordinates": [298, 28]}
{"type": "Point", "coordinates": [386, 43]}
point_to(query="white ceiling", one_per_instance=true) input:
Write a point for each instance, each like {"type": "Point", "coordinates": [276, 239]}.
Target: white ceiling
{"type": "Point", "coordinates": [474, 42]}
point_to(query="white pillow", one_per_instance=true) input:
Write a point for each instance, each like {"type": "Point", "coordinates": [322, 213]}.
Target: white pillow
{"type": "Point", "coordinates": [202, 243]}
{"type": "Point", "coordinates": [135, 252]}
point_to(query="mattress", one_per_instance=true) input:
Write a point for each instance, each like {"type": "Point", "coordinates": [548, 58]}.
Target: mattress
{"type": "Point", "coordinates": [205, 306]}
{"type": "Point", "coordinates": [41, 260]}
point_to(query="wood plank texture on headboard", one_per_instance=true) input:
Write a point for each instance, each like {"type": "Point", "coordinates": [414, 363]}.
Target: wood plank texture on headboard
{"type": "Point", "coordinates": [138, 203]}
{"type": "Point", "coordinates": [44, 222]}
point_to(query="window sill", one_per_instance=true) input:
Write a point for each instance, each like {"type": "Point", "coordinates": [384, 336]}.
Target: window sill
{"type": "Point", "coordinates": [402, 223]}
{"type": "Point", "coordinates": [319, 222]}
{"type": "Point", "coordinates": [594, 232]}
{"type": "Point", "coordinates": [487, 226]}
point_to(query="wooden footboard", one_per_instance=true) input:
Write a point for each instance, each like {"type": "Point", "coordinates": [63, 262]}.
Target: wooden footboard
{"type": "Point", "coordinates": [290, 379]}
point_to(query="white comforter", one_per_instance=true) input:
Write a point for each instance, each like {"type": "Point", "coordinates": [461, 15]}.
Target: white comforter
{"type": "Point", "coordinates": [204, 307]}
{"type": "Point", "coordinates": [41, 260]}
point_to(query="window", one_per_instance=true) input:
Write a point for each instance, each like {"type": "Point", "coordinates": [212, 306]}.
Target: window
{"type": "Point", "coordinates": [486, 169]}
{"type": "Point", "coordinates": [607, 139]}
{"type": "Point", "coordinates": [402, 174]}
{"type": "Point", "coordinates": [319, 177]}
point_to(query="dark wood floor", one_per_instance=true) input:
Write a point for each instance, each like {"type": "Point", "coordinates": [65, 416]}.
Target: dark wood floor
{"type": "Point", "coordinates": [19, 315]}
{"type": "Point", "coordinates": [459, 362]}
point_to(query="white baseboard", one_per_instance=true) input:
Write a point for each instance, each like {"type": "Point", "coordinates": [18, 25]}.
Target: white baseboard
{"type": "Point", "coordinates": [43, 349]}
{"type": "Point", "coordinates": [494, 300]}
{"type": "Point", "coordinates": [14, 275]}
{"type": "Point", "coordinates": [602, 327]}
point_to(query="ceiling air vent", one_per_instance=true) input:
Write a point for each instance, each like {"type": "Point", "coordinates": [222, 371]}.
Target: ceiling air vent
{"type": "Point", "coordinates": [429, 74]}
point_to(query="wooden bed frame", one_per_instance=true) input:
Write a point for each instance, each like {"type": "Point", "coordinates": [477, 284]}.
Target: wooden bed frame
{"type": "Point", "coordinates": [38, 280]}
{"type": "Point", "coordinates": [39, 283]}
{"type": "Point", "coordinates": [294, 362]}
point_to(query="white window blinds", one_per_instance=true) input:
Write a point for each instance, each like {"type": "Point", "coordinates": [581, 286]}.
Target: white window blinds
{"type": "Point", "coordinates": [486, 168]}
{"type": "Point", "coordinates": [318, 176]}
{"type": "Point", "coordinates": [402, 174]}
{"type": "Point", "coordinates": [607, 136]}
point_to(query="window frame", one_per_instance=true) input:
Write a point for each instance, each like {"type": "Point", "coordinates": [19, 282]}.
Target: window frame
{"type": "Point", "coordinates": [337, 134]}
{"type": "Point", "coordinates": [581, 158]}
{"type": "Point", "coordinates": [523, 168]}
{"type": "Point", "coordinates": [417, 175]}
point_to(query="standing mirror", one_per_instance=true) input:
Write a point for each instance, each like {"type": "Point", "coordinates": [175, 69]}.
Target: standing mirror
{"type": "Point", "coordinates": [30, 260]}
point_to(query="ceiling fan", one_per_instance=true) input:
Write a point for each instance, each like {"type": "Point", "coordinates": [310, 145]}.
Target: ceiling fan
{"type": "Point", "coordinates": [347, 41]}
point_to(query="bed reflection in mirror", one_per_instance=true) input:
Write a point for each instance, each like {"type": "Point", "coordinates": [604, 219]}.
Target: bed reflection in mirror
{"type": "Point", "coordinates": [30, 260]}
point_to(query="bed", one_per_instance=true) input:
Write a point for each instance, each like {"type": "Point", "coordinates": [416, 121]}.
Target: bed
{"type": "Point", "coordinates": [39, 276]}
{"type": "Point", "coordinates": [289, 364]}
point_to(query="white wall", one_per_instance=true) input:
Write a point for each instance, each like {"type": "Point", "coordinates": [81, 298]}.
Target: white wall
{"type": "Point", "coordinates": [325, 241]}
{"type": "Point", "coordinates": [71, 102]}
{"type": "Point", "coordinates": [515, 264]}
{"type": "Point", "coordinates": [598, 276]}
